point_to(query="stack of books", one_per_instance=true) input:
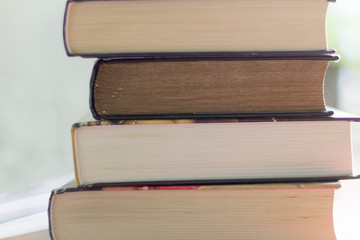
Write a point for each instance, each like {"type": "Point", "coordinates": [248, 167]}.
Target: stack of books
{"type": "Point", "coordinates": [210, 122]}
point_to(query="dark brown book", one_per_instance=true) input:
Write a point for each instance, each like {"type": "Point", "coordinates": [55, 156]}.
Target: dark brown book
{"type": "Point", "coordinates": [209, 84]}
{"type": "Point", "coordinates": [216, 151]}
{"type": "Point", "coordinates": [212, 212]}
{"type": "Point", "coordinates": [108, 28]}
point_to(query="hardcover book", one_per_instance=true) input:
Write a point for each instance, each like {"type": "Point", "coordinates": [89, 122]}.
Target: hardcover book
{"type": "Point", "coordinates": [111, 28]}
{"type": "Point", "coordinates": [211, 122]}
{"type": "Point", "coordinates": [220, 150]}
{"type": "Point", "coordinates": [196, 85]}
{"type": "Point", "coordinates": [258, 211]}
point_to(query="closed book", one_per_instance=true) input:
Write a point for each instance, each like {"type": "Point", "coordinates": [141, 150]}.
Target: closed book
{"type": "Point", "coordinates": [195, 85]}
{"type": "Point", "coordinates": [109, 28]}
{"type": "Point", "coordinates": [219, 150]}
{"type": "Point", "coordinates": [251, 211]}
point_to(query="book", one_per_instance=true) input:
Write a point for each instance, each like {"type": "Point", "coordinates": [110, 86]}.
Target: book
{"type": "Point", "coordinates": [209, 84]}
{"type": "Point", "coordinates": [258, 211]}
{"type": "Point", "coordinates": [217, 150]}
{"type": "Point", "coordinates": [111, 28]}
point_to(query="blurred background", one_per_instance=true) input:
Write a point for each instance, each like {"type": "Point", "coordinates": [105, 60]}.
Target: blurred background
{"type": "Point", "coordinates": [43, 92]}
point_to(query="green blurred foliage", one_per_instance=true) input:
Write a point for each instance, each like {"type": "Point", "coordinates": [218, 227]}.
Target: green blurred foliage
{"type": "Point", "coordinates": [343, 31]}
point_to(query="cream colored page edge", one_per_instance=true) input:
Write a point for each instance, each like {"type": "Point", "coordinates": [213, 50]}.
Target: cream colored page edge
{"type": "Point", "coordinates": [51, 217]}
{"type": "Point", "coordinates": [66, 27]}
{"type": "Point", "coordinates": [321, 46]}
{"type": "Point", "coordinates": [75, 156]}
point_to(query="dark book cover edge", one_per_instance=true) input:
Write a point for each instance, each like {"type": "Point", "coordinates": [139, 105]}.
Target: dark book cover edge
{"type": "Point", "coordinates": [185, 184]}
{"type": "Point", "coordinates": [178, 184]}
{"type": "Point", "coordinates": [311, 116]}
{"type": "Point", "coordinates": [120, 0]}
{"type": "Point", "coordinates": [251, 116]}
{"type": "Point", "coordinates": [227, 56]}
{"type": "Point", "coordinates": [209, 182]}
{"type": "Point", "coordinates": [251, 54]}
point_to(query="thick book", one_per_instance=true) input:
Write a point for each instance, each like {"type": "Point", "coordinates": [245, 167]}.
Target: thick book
{"type": "Point", "coordinates": [195, 85]}
{"type": "Point", "coordinates": [257, 211]}
{"type": "Point", "coordinates": [108, 28]}
{"type": "Point", "coordinates": [217, 151]}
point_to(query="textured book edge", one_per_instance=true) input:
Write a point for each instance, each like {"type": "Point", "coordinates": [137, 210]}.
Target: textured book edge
{"type": "Point", "coordinates": [335, 116]}
{"type": "Point", "coordinates": [240, 56]}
